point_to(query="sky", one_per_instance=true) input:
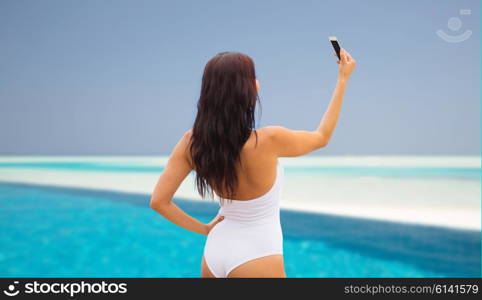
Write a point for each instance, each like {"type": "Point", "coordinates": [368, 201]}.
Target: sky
{"type": "Point", "coordinates": [123, 77]}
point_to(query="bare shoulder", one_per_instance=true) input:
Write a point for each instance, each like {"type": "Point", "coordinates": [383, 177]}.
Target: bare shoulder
{"type": "Point", "coordinates": [184, 144]}
{"type": "Point", "coordinates": [268, 136]}
{"type": "Point", "coordinates": [285, 142]}
{"type": "Point", "coordinates": [185, 139]}
{"type": "Point", "coordinates": [188, 134]}
{"type": "Point", "coordinates": [273, 130]}
{"type": "Point", "coordinates": [267, 133]}
{"type": "Point", "coordinates": [273, 133]}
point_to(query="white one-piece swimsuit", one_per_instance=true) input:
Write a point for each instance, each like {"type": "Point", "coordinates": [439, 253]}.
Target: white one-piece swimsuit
{"type": "Point", "coordinates": [251, 229]}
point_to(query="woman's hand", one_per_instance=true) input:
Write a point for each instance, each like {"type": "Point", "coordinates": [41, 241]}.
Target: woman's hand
{"type": "Point", "coordinates": [213, 223]}
{"type": "Point", "coordinates": [347, 64]}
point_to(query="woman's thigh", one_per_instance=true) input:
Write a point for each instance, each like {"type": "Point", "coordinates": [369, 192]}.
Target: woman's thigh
{"type": "Point", "coordinates": [271, 266]}
{"type": "Point", "coordinates": [205, 272]}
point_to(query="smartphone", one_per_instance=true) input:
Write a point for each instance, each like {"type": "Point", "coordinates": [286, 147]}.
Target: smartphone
{"type": "Point", "coordinates": [336, 46]}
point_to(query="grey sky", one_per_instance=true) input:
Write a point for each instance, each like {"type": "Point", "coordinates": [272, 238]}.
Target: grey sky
{"type": "Point", "coordinates": [123, 77]}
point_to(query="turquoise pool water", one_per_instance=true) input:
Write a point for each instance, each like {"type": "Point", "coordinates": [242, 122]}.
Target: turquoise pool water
{"type": "Point", "coordinates": [64, 232]}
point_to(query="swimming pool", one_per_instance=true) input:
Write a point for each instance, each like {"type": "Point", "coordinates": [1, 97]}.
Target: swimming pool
{"type": "Point", "coordinates": [73, 232]}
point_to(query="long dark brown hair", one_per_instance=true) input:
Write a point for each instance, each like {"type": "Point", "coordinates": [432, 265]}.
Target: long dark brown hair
{"type": "Point", "coordinates": [224, 122]}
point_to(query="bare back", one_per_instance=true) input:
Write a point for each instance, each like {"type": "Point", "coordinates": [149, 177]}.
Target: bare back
{"type": "Point", "coordinates": [257, 171]}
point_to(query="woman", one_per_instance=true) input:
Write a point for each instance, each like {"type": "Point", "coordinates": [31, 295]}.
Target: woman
{"type": "Point", "coordinates": [240, 165]}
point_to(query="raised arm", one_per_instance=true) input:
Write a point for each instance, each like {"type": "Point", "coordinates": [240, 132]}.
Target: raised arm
{"type": "Point", "coordinates": [289, 143]}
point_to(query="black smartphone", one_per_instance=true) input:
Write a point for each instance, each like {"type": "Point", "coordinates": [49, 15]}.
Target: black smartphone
{"type": "Point", "coordinates": [336, 46]}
